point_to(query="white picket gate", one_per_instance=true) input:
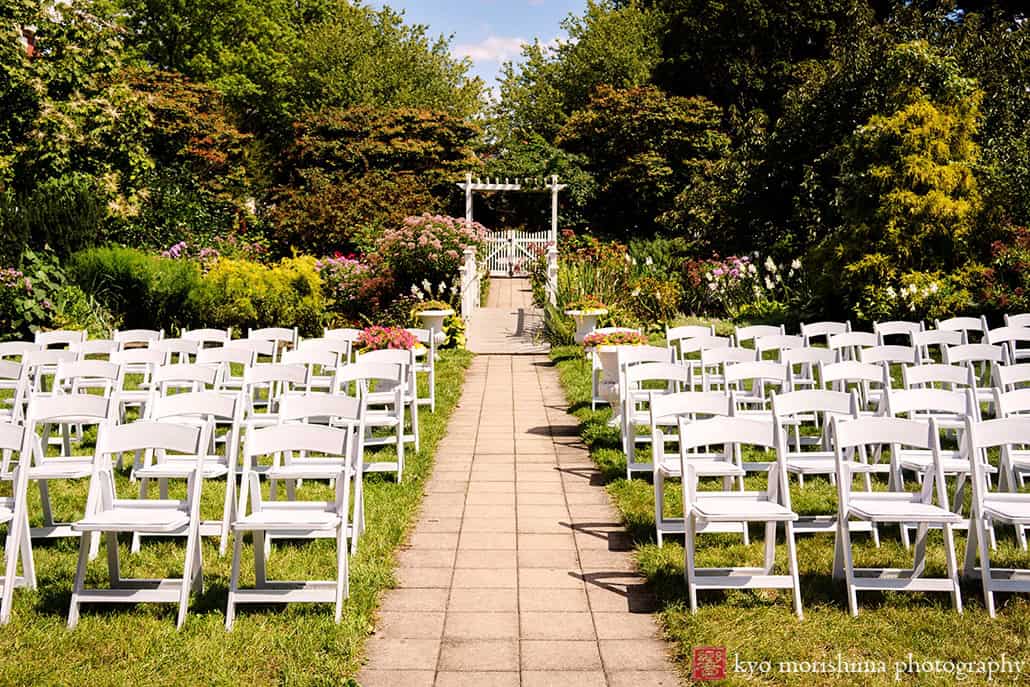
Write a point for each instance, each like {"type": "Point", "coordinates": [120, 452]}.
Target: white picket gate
{"type": "Point", "coordinates": [510, 252]}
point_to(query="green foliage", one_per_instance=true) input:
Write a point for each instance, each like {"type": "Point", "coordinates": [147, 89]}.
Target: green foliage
{"type": "Point", "coordinates": [73, 308]}
{"type": "Point", "coordinates": [62, 214]}
{"type": "Point", "coordinates": [242, 294]}
{"type": "Point", "coordinates": [645, 145]}
{"type": "Point", "coordinates": [146, 291]}
{"type": "Point", "coordinates": [351, 174]}
{"type": "Point", "coordinates": [909, 195]}
{"type": "Point", "coordinates": [427, 250]}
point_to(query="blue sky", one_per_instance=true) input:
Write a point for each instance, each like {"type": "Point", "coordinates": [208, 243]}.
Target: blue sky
{"type": "Point", "coordinates": [489, 31]}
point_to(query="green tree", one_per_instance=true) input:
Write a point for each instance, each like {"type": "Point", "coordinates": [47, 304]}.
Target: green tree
{"type": "Point", "coordinates": [645, 148]}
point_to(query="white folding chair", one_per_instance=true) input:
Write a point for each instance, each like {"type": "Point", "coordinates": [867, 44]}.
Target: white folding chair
{"type": "Point", "coordinates": [209, 409]}
{"type": "Point", "coordinates": [925, 341]}
{"type": "Point", "coordinates": [409, 390]}
{"type": "Point", "coordinates": [641, 384]}
{"type": "Point", "coordinates": [12, 380]}
{"type": "Point", "coordinates": [936, 376]}
{"type": "Point", "coordinates": [892, 507]}
{"type": "Point", "coordinates": [869, 380]}
{"type": "Point", "coordinates": [333, 410]}
{"type": "Point", "coordinates": [889, 355]}
{"type": "Point", "coordinates": [425, 363]}
{"type": "Point", "coordinates": [752, 383]}
{"type": "Point", "coordinates": [980, 356]}
{"type": "Point", "coordinates": [347, 334]}
{"type": "Point", "coordinates": [384, 407]}
{"type": "Point", "coordinates": [1014, 465]}
{"type": "Point", "coordinates": [802, 364]}
{"type": "Point", "coordinates": [771, 507]}
{"type": "Point", "coordinates": [674, 336]}
{"type": "Point", "coordinates": [823, 330]}
{"type": "Point", "coordinates": [989, 506]}
{"type": "Point", "coordinates": [138, 368]}
{"type": "Point", "coordinates": [108, 514]}
{"type": "Point", "coordinates": [665, 411]}
{"type": "Point", "coordinates": [180, 377]}
{"type": "Point", "coordinates": [61, 410]}
{"type": "Point", "coordinates": [60, 338]}
{"type": "Point", "coordinates": [902, 329]}
{"type": "Point", "coordinates": [310, 517]}
{"type": "Point", "coordinates": [599, 394]}
{"type": "Point", "coordinates": [847, 345]}
{"type": "Point", "coordinates": [14, 514]}
{"type": "Point", "coordinates": [625, 356]}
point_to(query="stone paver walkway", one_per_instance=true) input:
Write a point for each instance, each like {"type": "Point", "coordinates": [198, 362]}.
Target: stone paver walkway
{"type": "Point", "coordinates": [508, 323]}
{"type": "Point", "coordinates": [518, 573]}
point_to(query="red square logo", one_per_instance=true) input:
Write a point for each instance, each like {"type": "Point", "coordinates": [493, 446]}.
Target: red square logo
{"type": "Point", "coordinates": [709, 663]}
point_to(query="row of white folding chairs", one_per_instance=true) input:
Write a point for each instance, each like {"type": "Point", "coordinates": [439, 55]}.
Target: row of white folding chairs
{"type": "Point", "coordinates": [852, 439]}
{"type": "Point", "coordinates": [181, 442]}
{"type": "Point", "coordinates": [271, 343]}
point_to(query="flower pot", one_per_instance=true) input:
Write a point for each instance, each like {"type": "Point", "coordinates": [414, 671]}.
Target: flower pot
{"type": "Point", "coordinates": [586, 321]}
{"type": "Point", "coordinates": [433, 321]}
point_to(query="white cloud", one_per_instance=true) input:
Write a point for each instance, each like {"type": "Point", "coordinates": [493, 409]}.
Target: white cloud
{"type": "Point", "coordinates": [490, 49]}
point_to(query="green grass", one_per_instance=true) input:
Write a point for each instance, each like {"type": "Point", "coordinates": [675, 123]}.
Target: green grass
{"type": "Point", "coordinates": [760, 626]}
{"type": "Point", "coordinates": [281, 645]}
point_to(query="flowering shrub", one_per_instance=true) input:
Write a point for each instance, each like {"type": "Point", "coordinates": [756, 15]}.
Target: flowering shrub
{"type": "Point", "coordinates": [656, 300]}
{"type": "Point", "coordinates": [442, 294]}
{"type": "Point", "coordinates": [621, 338]}
{"type": "Point", "coordinates": [1006, 286]}
{"type": "Point", "coordinates": [378, 338]}
{"type": "Point", "coordinates": [205, 257]}
{"type": "Point", "coordinates": [743, 286]}
{"type": "Point", "coordinates": [429, 247]}
{"type": "Point", "coordinates": [423, 306]}
{"type": "Point", "coordinates": [18, 305]}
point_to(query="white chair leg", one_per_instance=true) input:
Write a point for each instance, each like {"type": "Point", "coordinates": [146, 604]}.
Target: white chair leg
{"type": "Point", "coordinates": [260, 555]}
{"type": "Point", "coordinates": [792, 562]}
{"type": "Point", "coordinates": [188, 573]}
{"type": "Point", "coordinates": [688, 560]}
{"type": "Point", "coordinates": [234, 579]}
{"type": "Point", "coordinates": [342, 571]}
{"type": "Point", "coordinates": [80, 578]}
{"type": "Point", "coordinates": [659, 504]}
{"type": "Point", "coordinates": [949, 554]}
{"type": "Point", "coordinates": [844, 532]}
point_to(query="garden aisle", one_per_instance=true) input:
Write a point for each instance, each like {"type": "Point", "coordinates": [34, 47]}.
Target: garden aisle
{"type": "Point", "coordinates": [518, 572]}
{"type": "Point", "coordinates": [507, 323]}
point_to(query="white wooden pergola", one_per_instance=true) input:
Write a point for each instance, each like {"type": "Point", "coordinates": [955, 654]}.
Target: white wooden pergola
{"type": "Point", "coordinates": [535, 185]}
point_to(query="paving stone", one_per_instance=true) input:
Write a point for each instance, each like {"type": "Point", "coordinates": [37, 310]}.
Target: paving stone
{"type": "Point", "coordinates": [479, 654]}
{"type": "Point", "coordinates": [560, 655]}
{"type": "Point", "coordinates": [503, 625]}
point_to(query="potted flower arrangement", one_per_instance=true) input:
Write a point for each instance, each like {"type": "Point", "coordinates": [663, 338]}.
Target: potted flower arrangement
{"type": "Point", "coordinates": [378, 338]}
{"type": "Point", "coordinates": [585, 312]}
{"type": "Point", "coordinates": [432, 314]}
{"type": "Point", "coordinates": [606, 345]}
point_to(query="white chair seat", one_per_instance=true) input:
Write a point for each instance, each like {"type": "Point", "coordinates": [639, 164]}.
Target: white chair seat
{"type": "Point", "coordinates": [952, 462]}
{"type": "Point", "coordinates": [704, 467]}
{"type": "Point", "coordinates": [740, 506]}
{"type": "Point", "coordinates": [1014, 508]}
{"type": "Point", "coordinates": [307, 468]}
{"type": "Point", "coordinates": [291, 516]}
{"type": "Point", "coordinates": [904, 509]}
{"type": "Point", "coordinates": [812, 463]}
{"type": "Point", "coordinates": [180, 467]}
{"type": "Point", "coordinates": [153, 516]}
{"type": "Point", "coordinates": [75, 467]}
{"type": "Point", "coordinates": [6, 513]}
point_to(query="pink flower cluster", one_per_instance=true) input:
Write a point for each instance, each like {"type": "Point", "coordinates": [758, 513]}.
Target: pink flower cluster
{"type": "Point", "coordinates": [615, 339]}
{"type": "Point", "coordinates": [378, 338]}
{"type": "Point", "coordinates": [11, 278]}
{"type": "Point", "coordinates": [433, 243]}
{"type": "Point", "coordinates": [181, 251]}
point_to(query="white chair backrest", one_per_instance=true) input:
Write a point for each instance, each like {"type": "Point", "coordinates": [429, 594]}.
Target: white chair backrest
{"type": "Point", "coordinates": [227, 355]}
{"type": "Point", "coordinates": [207, 335]}
{"type": "Point", "coordinates": [754, 331]}
{"type": "Point", "coordinates": [758, 370]}
{"type": "Point", "coordinates": [176, 350]}
{"type": "Point", "coordinates": [703, 343]}
{"type": "Point", "coordinates": [721, 356]}
{"type": "Point", "coordinates": [920, 401]}
{"type": "Point", "coordinates": [1020, 320]}
{"type": "Point", "coordinates": [268, 373]}
{"type": "Point", "coordinates": [668, 408]}
{"type": "Point", "coordinates": [291, 439]}
{"type": "Point", "coordinates": [10, 370]}
{"type": "Point", "coordinates": [138, 357]}
{"type": "Point", "coordinates": [276, 334]}
{"type": "Point", "coordinates": [131, 338]}
{"type": "Point", "coordinates": [823, 330]}
{"type": "Point", "coordinates": [1005, 433]}
{"type": "Point", "coordinates": [62, 338]}
{"type": "Point", "coordinates": [836, 375]}
{"type": "Point", "coordinates": [964, 325]}
{"type": "Point", "coordinates": [16, 349]}
{"type": "Point", "coordinates": [810, 356]}
{"type": "Point", "coordinates": [368, 371]}
{"type": "Point", "coordinates": [1011, 377]}
{"type": "Point", "coordinates": [389, 356]}
{"type": "Point", "coordinates": [424, 336]}
{"type": "Point", "coordinates": [671, 373]}
{"type": "Point", "coordinates": [217, 405]}
{"type": "Point", "coordinates": [89, 374]}
{"type": "Point", "coordinates": [95, 347]}
{"type": "Point", "coordinates": [688, 331]}
{"type": "Point", "coordinates": [145, 435]}
{"type": "Point", "coordinates": [627, 356]}
{"type": "Point", "coordinates": [847, 345]}
{"type": "Point", "coordinates": [312, 357]}
{"type": "Point", "coordinates": [899, 328]}
{"type": "Point", "coordinates": [936, 337]}
{"type": "Point", "coordinates": [1007, 335]}
{"type": "Point", "coordinates": [936, 375]}
{"type": "Point", "coordinates": [731, 433]}
{"type": "Point", "coordinates": [1015, 402]}
{"type": "Point", "coordinates": [320, 407]}
{"type": "Point", "coordinates": [258, 347]}
{"type": "Point", "coordinates": [975, 353]}
{"type": "Point", "coordinates": [345, 334]}
{"type": "Point", "coordinates": [779, 343]}
{"type": "Point", "coordinates": [189, 375]}
{"type": "Point", "coordinates": [904, 355]}
{"type": "Point", "coordinates": [47, 358]}
{"type": "Point", "coordinates": [808, 401]}
{"type": "Point", "coordinates": [338, 347]}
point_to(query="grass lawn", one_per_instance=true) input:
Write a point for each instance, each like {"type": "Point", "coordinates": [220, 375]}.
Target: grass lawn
{"type": "Point", "coordinates": [756, 626]}
{"type": "Point", "coordinates": [282, 645]}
